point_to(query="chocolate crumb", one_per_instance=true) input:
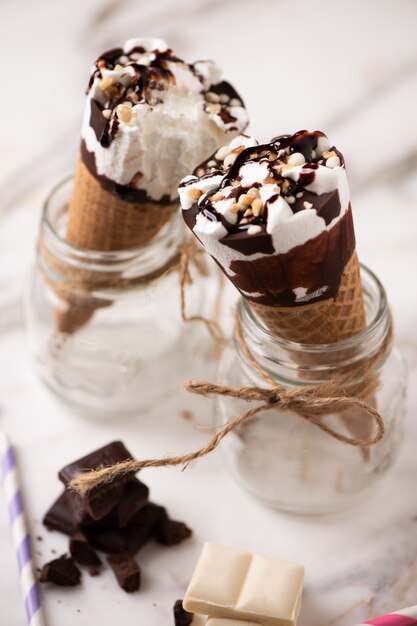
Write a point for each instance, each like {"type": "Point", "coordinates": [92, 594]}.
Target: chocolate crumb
{"type": "Point", "coordinates": [62, 572]}
{"type": "Point", "coordinates": [187, 415]}
{"type": "Point", "coordinates": [126, 570]}
{"type": "Point", "coordinates": [81, 550]}
{"type": "Point", "coordinates": [181, 616]}
{"type": "Point", "coordinates": [170, 532]}
{"type": "Point", "coordinates": [94, 571]}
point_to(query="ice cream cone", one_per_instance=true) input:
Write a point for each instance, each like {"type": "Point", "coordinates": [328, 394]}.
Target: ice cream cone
{"type": "Point", "coordinates": [149, 116]}
{"type": "Point", "coordinates": [277, 219]}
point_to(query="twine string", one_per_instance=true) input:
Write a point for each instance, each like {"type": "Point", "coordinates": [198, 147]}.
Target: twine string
{"type": "Point", "coordinates": [311, 403]}
{"type": "Point", "coordinates": [189, 253]}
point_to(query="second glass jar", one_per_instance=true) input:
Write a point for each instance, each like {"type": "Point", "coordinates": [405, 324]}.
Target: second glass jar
{"type": "Point", "coordinates": [284, 460]}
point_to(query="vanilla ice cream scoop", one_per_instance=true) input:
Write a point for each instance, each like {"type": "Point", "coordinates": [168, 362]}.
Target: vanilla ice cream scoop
{"type": "Point", "coordinates": [276, 217]}
{"type": "Point", "coordinates": [151, 117]}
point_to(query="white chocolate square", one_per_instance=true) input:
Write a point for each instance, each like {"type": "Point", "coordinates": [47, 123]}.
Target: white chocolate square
{"type": "Point", "coordinates": [272, 587]}
{"type": "Point", "coordinates": [217, 579]}
{"type": "Point", "coordinates": [235, 586]}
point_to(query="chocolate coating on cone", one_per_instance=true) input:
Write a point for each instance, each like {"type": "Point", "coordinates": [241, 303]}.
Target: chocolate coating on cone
{"type": "Point", "coordinates": [321, 322]}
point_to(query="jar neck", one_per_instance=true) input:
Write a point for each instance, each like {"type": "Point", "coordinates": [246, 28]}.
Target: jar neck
{"type": "Point", "coordinates": [296, 363]}
{"type": "Point", "coordinates": [55, 253]}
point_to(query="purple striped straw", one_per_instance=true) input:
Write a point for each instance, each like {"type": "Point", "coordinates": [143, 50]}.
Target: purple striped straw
{"type": "Point", "coordinates": [20, 535]}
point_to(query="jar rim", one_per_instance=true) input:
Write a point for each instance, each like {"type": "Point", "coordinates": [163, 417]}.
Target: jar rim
{"type": "Point", "coordinates": [258, 332]}
{"type": "Point", "coordinates": [86, 254]}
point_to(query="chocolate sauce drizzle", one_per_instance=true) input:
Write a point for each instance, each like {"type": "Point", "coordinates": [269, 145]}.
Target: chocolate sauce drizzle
{"type": "Point", "coordinates": [123, 192]}
{"type": "Point", "coordinates": [145, 81]}
{"type": "Point", "coordinates": [316, 265]}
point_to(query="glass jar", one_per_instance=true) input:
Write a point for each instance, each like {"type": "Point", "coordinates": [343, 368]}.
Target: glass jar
{"type": "Point", "coordinates": [105, 328]}
{"type": "Point", "coordinates": [282, 459]}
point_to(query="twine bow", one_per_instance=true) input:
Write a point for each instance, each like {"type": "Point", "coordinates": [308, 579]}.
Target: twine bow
{"type": "Point", "coordinates": [311, 403]}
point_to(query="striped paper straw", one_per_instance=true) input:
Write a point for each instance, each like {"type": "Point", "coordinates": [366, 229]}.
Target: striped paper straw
{"type": "Point", "coordinates": [21, 539]}
{"type": "Point", "coordinates": [404, 617]}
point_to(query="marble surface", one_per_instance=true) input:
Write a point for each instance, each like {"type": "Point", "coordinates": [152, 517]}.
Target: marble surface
{"type": "Point", "coordinates": [348, 68]}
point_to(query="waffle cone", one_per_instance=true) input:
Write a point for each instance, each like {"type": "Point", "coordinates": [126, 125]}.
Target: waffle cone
{"type": "Point", "coordinates": [327, 321]}
{"type": "Point", "coordinates": [99, 220]}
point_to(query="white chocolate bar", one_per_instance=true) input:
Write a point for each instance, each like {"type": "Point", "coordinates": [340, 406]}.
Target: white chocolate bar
{"type": "Point", "coordinates": [228, 583]}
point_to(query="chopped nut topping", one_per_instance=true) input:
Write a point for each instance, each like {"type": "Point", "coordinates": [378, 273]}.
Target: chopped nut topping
{"type": "Point", "coordinates": [211, 107]}
{"type": "Point", "coordinates": [133, 97]}
{"type": "Point", "coordinates": [194, 194]}
{"type": "Point", "coordinates": [307, 205]}
{"type": "Point", "coordinates": [105, 83]}
{"type": "Point", "coordinates": [248, 213]}
{"type": "Point", "coordinates": [235, 208]}
{"type": "Point", "coordinates": [245, 199]}
{"type": "Point", "coordinates": [124, 112]}
{"type": "Point", "coordinates": [254, 192]}
{"type": "Point", "coordinates": [234, 102]}
{"type": "Point", "coordinates": [224, 98]}
{"type": "Point", "coordinates": [296, 159]}
{"type": "Point", "coordinates": [333, 161]}
{"type": "Point", "coordinates": [106, 113]}
{"type": "Point", "coordinates": [285, 167]}
{"type": "Point", "coordinates": [212, 97]}
{"type": "Point", "coordinates": [257, 205]}
{"type": "Point", "coordinates": [253, 230]}
{"type": "Point", "coordinates": [328, 153]}
{"type": "Point", "coordinates": [230, 159]}
{"type": "Point", "coordinates": [217, 196]}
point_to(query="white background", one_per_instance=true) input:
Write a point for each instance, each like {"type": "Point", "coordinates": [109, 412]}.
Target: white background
{"type": "Point", "coordinates": [348, 68]}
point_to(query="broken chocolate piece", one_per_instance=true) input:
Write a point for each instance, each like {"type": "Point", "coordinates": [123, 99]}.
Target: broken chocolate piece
{"type": "Point", "coordinates": [181, 616]}
{"type": "Point", "coordinates": [170, 532]}
{"type": "Point", "coordinates": [59, 517]}
{"type": "Point", "coordinates": [62, 572]}
{"type": "Point", "coordinates": [134, 497]}
{"type": "Point", "coordinates": [81, 550]}
{"type": "Point", "coordinates": [130, 539]}
{"type": "Point", "coordinates": [126, 570]}
{"type": "Point", "coordinates": [101, 499]}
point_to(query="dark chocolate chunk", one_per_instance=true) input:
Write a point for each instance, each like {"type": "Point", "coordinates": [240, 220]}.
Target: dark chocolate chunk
{"type": "Point", "coordinates": [59, 517]}
{"type": "Point", "coordinates": [126, 570]}
{"type": "Point", "coordinates": [134, 497]}
{"type": "Point", "coordinates": [62, 572]}
{"type": "Point", "coordinates": [81, 550]}
{"type": "Point", "coordinates": [130, 539]}
{"type": "Point", "coordinates": [170, 532]}
{"type": "Point", "coordinates": [181, 616]}
{"type": "Point", "coordinates": [101, 499]}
